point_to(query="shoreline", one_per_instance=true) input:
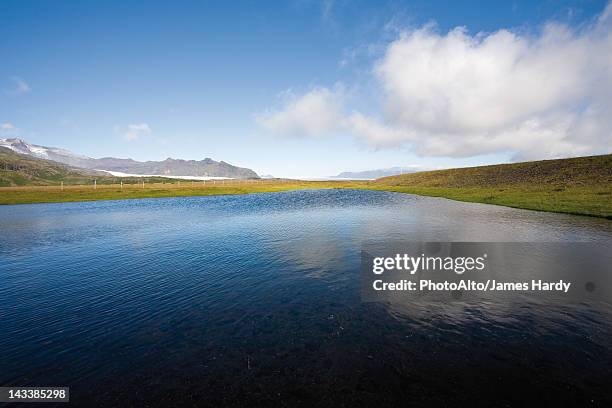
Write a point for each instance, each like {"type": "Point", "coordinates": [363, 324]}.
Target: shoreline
{"type": "Point", "coordinates": [595, 203]}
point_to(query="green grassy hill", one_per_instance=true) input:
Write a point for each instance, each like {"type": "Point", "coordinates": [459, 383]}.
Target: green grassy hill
{"type": "Point", "coordinates": [580, 185]}
{"type": "Point", "coordinates": [21, 170]}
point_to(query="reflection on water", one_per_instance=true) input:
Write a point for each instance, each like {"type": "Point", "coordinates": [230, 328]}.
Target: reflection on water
{"type": "Point", "coordinates": [255, 300]}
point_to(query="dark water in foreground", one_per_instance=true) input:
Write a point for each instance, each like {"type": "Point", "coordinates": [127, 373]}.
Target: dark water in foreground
{"type": "Point", "coordinates": [255, 300]}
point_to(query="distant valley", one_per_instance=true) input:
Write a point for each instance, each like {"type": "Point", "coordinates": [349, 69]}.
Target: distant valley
{"type": "Point", "coordinates": [374, 174]}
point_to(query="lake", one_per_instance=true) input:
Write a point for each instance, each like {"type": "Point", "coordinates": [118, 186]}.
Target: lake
{"type": "Point", "coordinates": [255, 300]}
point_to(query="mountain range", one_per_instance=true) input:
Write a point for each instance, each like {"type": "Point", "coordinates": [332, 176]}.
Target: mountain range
{"type": "Point", "coordinates": [167, 168]}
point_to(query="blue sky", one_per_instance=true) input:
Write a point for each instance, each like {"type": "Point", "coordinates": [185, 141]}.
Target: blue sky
{"type": "Point", "coordinates": [227, 80]}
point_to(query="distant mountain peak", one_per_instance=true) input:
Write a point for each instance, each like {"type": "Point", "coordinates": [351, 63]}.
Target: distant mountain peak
{"type": "Point", "coordinates": [12, 140]}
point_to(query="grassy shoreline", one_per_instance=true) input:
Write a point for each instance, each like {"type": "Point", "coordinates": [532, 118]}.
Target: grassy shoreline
{"type": "Point", "coordinates": [54, 194]}
{"type": "Point", "coordinates": [580, 186]}
{"type": "Point", "coordinates": [577, 201]}
{"type": "Point", "coordinates": [592, 203]}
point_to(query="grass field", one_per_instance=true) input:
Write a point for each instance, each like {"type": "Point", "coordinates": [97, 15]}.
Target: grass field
{"type": "Point", "coordinates": [580, 185]}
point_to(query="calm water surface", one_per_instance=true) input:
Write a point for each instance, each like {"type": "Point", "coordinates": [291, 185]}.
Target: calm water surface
{"type": "Point", "coordinates": [255, 300]}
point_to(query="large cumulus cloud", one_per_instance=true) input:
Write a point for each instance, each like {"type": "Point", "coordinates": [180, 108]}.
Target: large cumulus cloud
{"type": "Point", "coordinates": [460, 94]}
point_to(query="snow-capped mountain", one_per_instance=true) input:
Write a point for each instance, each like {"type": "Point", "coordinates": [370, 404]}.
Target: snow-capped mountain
{"type": "Point", "coordinates": [43, 152]}
{"type": "Point", "coordinates": [169, 167]}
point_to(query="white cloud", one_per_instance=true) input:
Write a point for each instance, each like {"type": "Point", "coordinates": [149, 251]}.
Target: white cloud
{"type": "Point", "coordinates": [459, 95]}
{"type": "Point", "coordinates": [20, 86]}
{"type": "Point", "coordinates": [135, 131]}
{"type": "Point", "coordinates": [462, 83]}
{"type": "Point", "coordinates": [313, 114]}
{"type": "Point", "coordinates": [543, 96]}
{"type": "Point", "coordinates": [7, 129]}
{"type": "Point", "coordinates": [375, 131]}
